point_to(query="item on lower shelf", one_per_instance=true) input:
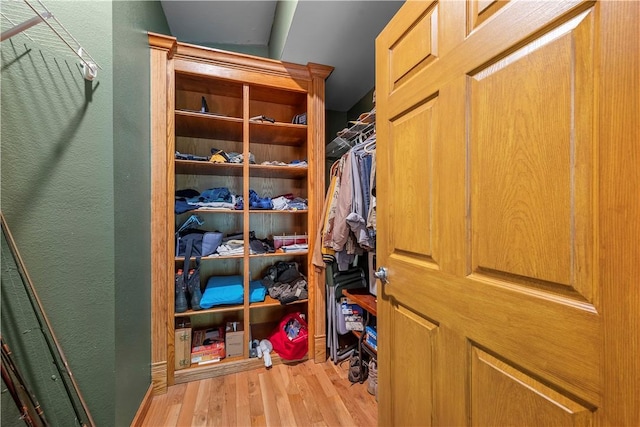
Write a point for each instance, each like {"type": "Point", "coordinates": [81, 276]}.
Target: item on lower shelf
{"type": "Point", "coordinates": [352, 317]}
{"type": "Point", "coordinates": [299, 119]}
{"type": "Point", "coordinates": [207, 345]}
{"type": "Point", "coordinates": [288, 240]}
{"type": "Point", "coordinates": [289, 341]}
{"type": "Point", "coordinates": [234, 338]}
{"type": "Point", "coordinates": [371, 337]}
{"type": "Point", "coordinates": [182, 343]}
{"type": "Point", "coordinates": [264, 350]}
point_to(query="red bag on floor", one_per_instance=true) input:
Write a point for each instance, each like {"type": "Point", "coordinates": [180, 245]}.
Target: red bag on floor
{"type": "Point", "coordinates": [289, 339]}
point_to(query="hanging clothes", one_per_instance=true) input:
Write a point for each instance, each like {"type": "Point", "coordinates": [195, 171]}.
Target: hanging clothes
{"type": "Point", "coordinates": [348, 225]}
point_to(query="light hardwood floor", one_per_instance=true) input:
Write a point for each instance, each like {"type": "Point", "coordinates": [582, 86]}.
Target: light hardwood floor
{"type": "Point", "coordinates": [305, 394]}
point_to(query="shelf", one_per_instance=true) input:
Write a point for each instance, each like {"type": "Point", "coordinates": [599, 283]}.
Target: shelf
{"type": "Point", "coordinates": [284, 172]}
{"type": "Point", "coordinates": [223, 309]}
{"type": "Point", "coordinates": [195, 124]}
{"type": "Point", "coordinates": [207, 85]}
{"type": "Point", "coordinates": [359, 130]}
{"type": "Point", "coordinates": [372, 350]}
{"type": "Point", "coordinates": [212, 211]}
{"type": "Point", "coordinates": [207, 258]}
{"type": "Point", "coordinates": [272, 302]}
{"type": "Point", "coordinates": [363, 298]}
{"type": "Point", "coordinates": [268, 302]}
{"type": "Point", "coordinates": [267, 255]}
{"type": "Point", "coordinates": [272, 211]}
{"type": "Point", "coordinates": [278, 254]}
{"type": "Point", "coordinates": [277, 133]}
{"type": "Point", "coordinates": [195, 167]}
{"type": "Point", "coordinates": [272, 95]}
{"type": "Point", "coordinates": [227, 366]}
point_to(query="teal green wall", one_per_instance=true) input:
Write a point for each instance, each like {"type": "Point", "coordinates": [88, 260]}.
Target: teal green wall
{"type": "Point", "coordinates": [132, 216]}
{"type": "Point", "coordinates": [75, 192]}
{"type": "Point", "coordinates": [285, 9]}
{"type": "Point", "coordinates": [364, 105]}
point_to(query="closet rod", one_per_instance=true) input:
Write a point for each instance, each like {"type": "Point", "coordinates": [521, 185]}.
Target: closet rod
{"type": "Point", "coordinates": [24, 26]}
{"type": "Point", "coordinates": [89, 66]}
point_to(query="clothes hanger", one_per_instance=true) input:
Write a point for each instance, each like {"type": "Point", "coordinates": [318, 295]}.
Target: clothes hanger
{"type": "Point", "coordinates": [370, 147]}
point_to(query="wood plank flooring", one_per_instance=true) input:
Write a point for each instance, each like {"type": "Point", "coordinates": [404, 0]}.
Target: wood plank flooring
{"type": "Point", "coordinates": [305, 394]}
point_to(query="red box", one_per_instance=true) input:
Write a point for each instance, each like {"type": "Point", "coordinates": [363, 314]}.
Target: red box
{"type": "Point", "coordinates": [286, 240]}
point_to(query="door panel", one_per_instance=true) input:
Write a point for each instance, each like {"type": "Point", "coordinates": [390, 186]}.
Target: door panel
{"type": "Point", "coordinates": [530, 187]}
{"type": "Point", "coordinates": [481, 10]}
{"type": "Point", "coordinates": [412, 370]}
{"type": "Point", "coordinates": [489, 214]}
{"type": "Point", "coordinates": [408, 160]}
{"type": "Point", "coordinates": [530, 402]}
{"type": "Point", "coordinates": [416, 48]}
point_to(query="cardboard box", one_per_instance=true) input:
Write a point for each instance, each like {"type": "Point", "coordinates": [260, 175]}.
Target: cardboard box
{"type": "Point", "coordinates": [371, 337]}
{"type": "Point", "coordinates": [208, 341]}
{"type": "Point", "coordinates": [182, 343]}
{"type": "Point", "coordinates": [234, 339]}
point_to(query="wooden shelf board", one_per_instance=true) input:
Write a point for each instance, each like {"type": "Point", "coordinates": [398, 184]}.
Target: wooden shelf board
{"type": "Point", "coordinates": [278, 254]}
{"type": "Point", "coordinates": [269, 94]}
{"type": "Point", "coordinates": [284, 172]}
{"type": "Point", "coordinates": [206, 125]}
{"type": "Point", "coordinates": [214, 211]}
{"type": "Point", "coordinates": [272, 302]}
{"type": "Point", "coordinates": [227, 366]}
{"type": "Point", "coordinates": [277, 133]}
{"type": "Point", "coordinates": [275, 255]}
{"type": "Point", "coordinates": [271, 211]}
{"type": "Point", "coordinates": [194, 167]}
{"type": "Point", "coordinates": [223, 309]}
{"type": "Point", "coordinates": [363, 298]}
{"type": "Point", "coordinates": [207, 258]}
{"type": "Point", "coordinates": [371, 349]}
{"type": "Point", "coordinates": [208, 85]}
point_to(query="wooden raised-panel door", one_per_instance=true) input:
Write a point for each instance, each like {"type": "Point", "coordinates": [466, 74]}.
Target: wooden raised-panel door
{"type": "Point", "coordinates": [509, 213]}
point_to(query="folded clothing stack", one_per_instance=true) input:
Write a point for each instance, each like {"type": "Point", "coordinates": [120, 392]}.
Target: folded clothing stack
{"type": "Point", "coordinates": [223, 290]}
{"type": "Point", "coordinates": [285, 283]}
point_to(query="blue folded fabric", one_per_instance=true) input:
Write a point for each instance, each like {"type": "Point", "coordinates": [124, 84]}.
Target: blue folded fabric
{"type": "Point", "coordinates": [257, 291]}
{"type": "Point", "coordinates": [223, 290]}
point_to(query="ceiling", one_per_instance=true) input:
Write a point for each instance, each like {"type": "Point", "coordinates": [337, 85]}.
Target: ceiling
{"type": "Point", "coordinates": [337, 33]}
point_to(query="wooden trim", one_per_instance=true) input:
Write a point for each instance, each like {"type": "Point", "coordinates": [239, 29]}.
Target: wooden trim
{"type": "Point", "coordinates": [226, 368]}
{"type": "Point", "coordinates": [167, 43]}
{"type": "Point", "coordinates": [239, 61]}
{"type": "Point", "coordinates": [159, 219]}
{"type": "Point", "coordinates": [316, 185]}
{"type": "Point", "coordinates": [319, 71]}
{"type": "Point", "coordinates": [242, 73]}
{"type": "Point", "coordinates": [159, 377]}
{"type": "Point", "coordinates": [143, 410]}
{"type": "Point", "coordinates": [619, 208]}
{"type": "Point", "coordinates": [320, 354]}
{"type": "Point", "coordinates": [168, 251]}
